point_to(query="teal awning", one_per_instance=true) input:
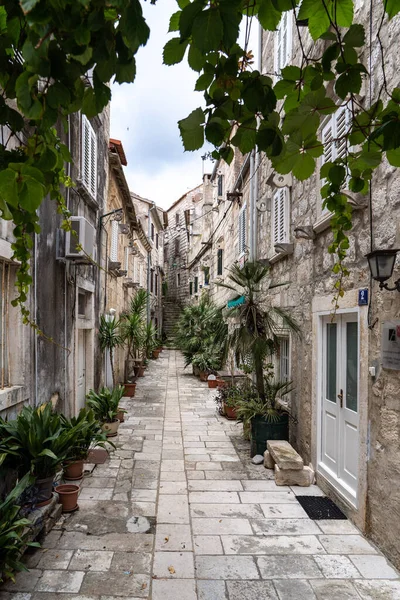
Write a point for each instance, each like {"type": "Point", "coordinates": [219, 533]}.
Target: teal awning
{"type": "Point", "coordinates": [236, 302]}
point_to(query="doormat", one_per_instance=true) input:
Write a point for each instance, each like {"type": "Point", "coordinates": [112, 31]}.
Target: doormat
{"type": "Point", "coordinates": [318, 508]}
{"type": "Point", "coordinates": [98, 456]}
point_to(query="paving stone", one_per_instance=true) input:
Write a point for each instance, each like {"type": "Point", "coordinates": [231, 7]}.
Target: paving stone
{"type": "Point", "coordinates": [262, 486]}
{"type": "Point", "coordinates": [379, 589]}
{"type": "Point", "coordinates": [91, 560]}
{"type": "Point", "coordinates": [285, 567]}
{"type": "Point", "coordinates": [278, 544]}
{"type": "Point", "coordinates": [99, 482]}
{"type": "Point", "coordinates": [144, 495]}
{"type": "Point", "coordinates": [55, 559]}
{"type": "Point", "coordinates": [336, 567]}
{"type": "Point", "coordinates": [139, 542]}
{"type": "Point", "coordinates": [285, 527]}
{"type": "Point", "coordinates": [326, 589]}
{"type": "Point", "coordinates": [131, 562]}
{"type": "Point", "coordinates": [374, 567]}
{"type": "Point", "coordinates": [230, 475]}
{"type": "Point", "coordinates": [215, 486]}
{"type": "Point", "coordinates": [251, 590]}
{"type": "Point", "coordinates": [267, 497]}
{"type": "Point", "coordinates": [172, 465]}
{"type": "Point", "coordinates": [173, 538]}
{"type": "Point", "coordinates": [226, 567]}
{"type": "Point", "coordinates": [346, 544]}
{"type": "Point", "coordinates": [225, 510]}
{"type": "Point", "coordinates": [96, 494]}
{"type": "Point", "coordinates": [208, 466]}
{"type": "Point", "coordinates": [211, 590]}
{"type": "Point", "coordinates": [173, 487]}
{"type": "Point", "coordinates": [17, 596]}
{"type": "Point", "coordinates": [138, 524]}
{"type": "Point", "coordinates": [294, 589]}
{"type": "Point", "coordinates": [173, 509]}
{"type": "Point", "coordinates": [207, 544]}
{"type": "Point", "coordinates": [185, 589]}
{"type": "Point", "coordinates": [24, 581]}
{"type": "Point", "coordinates": [284, 511]}
{"type": "Point", "coordinates": [173, 565]}
{"type": "Point", "coordinates": [312, 490]}
{"type": "Point", "coordinates": [144, 509]}
{"type": "Point", "coordinates": [60, 581]}
{"type": "Point", "coordinates": [221, 526]}
{"type": "Point", "coordinates": [173, 476]}
{"type": "Point", "coordinates": [337, 526]}
{"type": "Point", "coordinates": [116, 584]}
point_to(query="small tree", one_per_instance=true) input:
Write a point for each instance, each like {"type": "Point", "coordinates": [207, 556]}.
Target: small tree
{"type": "Point", "coordinates": [256, 332]}
{"type": "Point", "coordinates": [110, 338]}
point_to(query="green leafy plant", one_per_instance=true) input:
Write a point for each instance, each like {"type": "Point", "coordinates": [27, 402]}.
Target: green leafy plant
{"type": "Point", "coordinates": [207, 360]}
{"type": "Point", "coordinates": [110, 338]}
{"type": "Point", "coordinates": [268, 406]}
{"type": "Point", "coordinates": [14, 532]}
{"type": "Point", "coordinates": [149, 340]}
{"type": "Point", "coordinates": [88, 433]}
{"type": "Point", "coordinates": [36, 441]}
{"type": "Point", "coordinates": [258, 324]}
{"type": "Point", "coordinates": [105, 403]}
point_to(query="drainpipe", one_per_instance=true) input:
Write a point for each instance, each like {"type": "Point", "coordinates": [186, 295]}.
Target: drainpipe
{"type": "Point", "coordinates": [256, 178]}
{"type": "Point", "coordinates": [252, 208]}
{"type": "Point", "coordinates": [149, 263]}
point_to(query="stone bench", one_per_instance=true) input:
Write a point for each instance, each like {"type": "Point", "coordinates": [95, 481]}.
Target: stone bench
{"type": "Point", "coordinates": [287, 463]}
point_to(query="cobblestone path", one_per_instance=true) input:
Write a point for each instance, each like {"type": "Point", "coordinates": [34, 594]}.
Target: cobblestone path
{"type": "Point", "coordinates": [179, 513]}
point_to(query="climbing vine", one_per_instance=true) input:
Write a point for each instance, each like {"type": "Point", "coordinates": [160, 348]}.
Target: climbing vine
{"type": "Point", "coordinates": [57, 57]}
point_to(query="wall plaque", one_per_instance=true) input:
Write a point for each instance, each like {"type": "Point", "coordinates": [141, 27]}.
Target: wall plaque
{"type": "Point", "coordinates": [391, 345]}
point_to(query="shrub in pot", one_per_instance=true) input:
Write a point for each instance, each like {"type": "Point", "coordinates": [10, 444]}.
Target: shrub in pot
{"type": "Point", "coordinates": [110, 338]}
{"type": "Point", "coordinates": [88, 434]}
{"type": "Point", "coordinates": [132, 333]}
{"type": "Point", "coordinates": [206, 361]}
{"type": "Point", "coordinates": [38, 444]}
{"type": "Point", "coordinates": [14, 531]}
{"type": "Point", "coordinates": [105, 405]}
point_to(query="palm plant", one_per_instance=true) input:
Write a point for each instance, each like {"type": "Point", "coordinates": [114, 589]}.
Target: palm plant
{"type": "Point", "coordinates": [88, 433]}
{"type": "Point", "coordinates": [139, 302]}
{"type": "Point", "coordinates": [105, 404]}
{"type": "Point", "coordinates": [268, 407]}
{"type": "Point", "coordinates": [110, 338]}
{"type": "Point", "coordinates": [132, 333]}
{"type": "Point", "coordinates": [256, 332]}
{"type": "Point", "coordinates": [149, 338]}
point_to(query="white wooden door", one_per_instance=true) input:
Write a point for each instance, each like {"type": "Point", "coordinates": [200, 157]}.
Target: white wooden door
{"type": "Point", "coordinates": [339, 429]}
{"type": "Point", "coordinates": [81, 378]}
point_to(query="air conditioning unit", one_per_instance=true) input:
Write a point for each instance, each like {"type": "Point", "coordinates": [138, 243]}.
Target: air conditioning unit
{"type": "Point", "coordinates": [80, 242]}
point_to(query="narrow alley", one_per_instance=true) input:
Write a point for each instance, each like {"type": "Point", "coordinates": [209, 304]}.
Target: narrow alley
{"type": "Point", "coordinates": [179, 513]}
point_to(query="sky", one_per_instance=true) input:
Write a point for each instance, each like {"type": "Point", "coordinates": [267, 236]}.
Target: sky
{"type": "Point", "coordinates": [144, 117]}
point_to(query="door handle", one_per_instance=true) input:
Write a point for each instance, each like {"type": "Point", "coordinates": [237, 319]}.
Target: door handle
{"type": "Point", "coordinates": [340, 396]}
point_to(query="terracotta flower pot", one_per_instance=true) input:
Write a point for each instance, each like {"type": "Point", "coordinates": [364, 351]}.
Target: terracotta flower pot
{"type": "Point", "coordinates": [212, 384]}
{"type": "Point", "coordinates": [45, 490]}
{"type": "Point", "coordinates": [230, 412]}
{"type": "Point", "coordinates": [221, 383]}
{"type": "Point", "coordinates": [111, 429]}
{"type": "Point", "coordinates": [156, 353]}
{"type": "Point", "coordinates": [73, 470]}
{"type": "Point", "coordinates": [121, 414]}
{"type": "Point", "coordinates": [130, 389]}
{"type": "Point", "coordinates": [203, 376]}
{"type": "Point", "coordinates": [139, 370]}
{"type": "Point", "coordinates": [68, 494]}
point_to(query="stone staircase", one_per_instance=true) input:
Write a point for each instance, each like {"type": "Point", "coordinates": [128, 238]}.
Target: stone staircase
{"type": "Point", "coordinates": [171, 311]}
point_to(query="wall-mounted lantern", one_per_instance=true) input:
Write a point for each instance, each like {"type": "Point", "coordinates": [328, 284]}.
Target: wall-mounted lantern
{"type": "Point", "coordinates": [381, 264]}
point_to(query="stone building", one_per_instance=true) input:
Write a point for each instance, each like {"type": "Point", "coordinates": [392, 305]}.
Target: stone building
{"type": "Point", "coordinates": [153, 221]}
{"type": "Point", "coordinates": [345, 403]}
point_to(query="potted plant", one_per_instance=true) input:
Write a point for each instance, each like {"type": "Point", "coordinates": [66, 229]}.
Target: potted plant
{"type": "Point", "coordinates": [88, 435]}
{"type": "Point", "coordinates": [37, 443]}
{"type": "Point", "coordinates": [255, 336]}
{"type": "Point", "coordinates": [14, 532]}
{"type": "Point", "coordinates": [132, 334]}
{"type": "Point", "coordinates": [206, 361]}
{"type": "Point", "coordinates": [148, 341]}
{"type": "Point", "coordinates": [68, 494]}
{"type": "Point", "coordinates": [110, 338]}
{"type": "Point", "coordinates": [105, 406]}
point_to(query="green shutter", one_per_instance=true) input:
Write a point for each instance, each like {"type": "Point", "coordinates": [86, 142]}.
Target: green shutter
{"type": "Point", "coordinates": [219, 259]}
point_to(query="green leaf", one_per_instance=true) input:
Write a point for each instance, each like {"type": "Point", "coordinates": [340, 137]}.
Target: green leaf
{"type": "Point", "coordinates": [3, 19]}
{"type": "Point", "coordinates": [343, 10]}
{"type": "Point", "coordinates": [204, 81]}
{"type": "Point", "coordinates": [85, 57]}
{"type": "Point", "coordinates": [191, 130]}
{"type": "Point", "coordinates": [348, 82]}
{"type": "Point", "coordinates": [304, 167]}
{"type": "Point", "coordinates": [318, 20]}
{"type": "Point", "coordinates": [392, 7]}
{"type": "Point", "coordinates": [182, 3]}
{"type": "Point", "coordinates": [125, 72]}
{"type": "Point", "coordinates": [208, 30]}
{"type": "Point", "coordinates": [393, 157]}
{"type": "Point", "coordinates": [49, 453]}
{"type": "Point", "coordinates": [174, 51]}
{"type": "Point", "coordinates": [245, 137]}
{"type": "Point", "coordinates": [23, 91]}
{"type": "Point", "coordinates": [355, 36]}
{"type": "Point", "coordinates": [268, 15]}
{"type": "Point", "coordinates": [31, 193]}
{"type": "Point", "coordinates": [8, 187]}
{"type": "Point", "coordinates": [227, 154]}
{"type": "Point", "coordinates": [187, 18]}
{"type": "Point", "coordinates": [174, 21]}
{"type": "Point", "coordinates": [196, 59]}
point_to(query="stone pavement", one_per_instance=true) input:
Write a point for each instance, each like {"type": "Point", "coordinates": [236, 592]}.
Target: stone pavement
{"type": "Point", "coordinates": [180, 513]}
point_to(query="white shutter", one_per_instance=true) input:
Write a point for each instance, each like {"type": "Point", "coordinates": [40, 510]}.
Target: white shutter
{"type": "Point", "coordinates": [341, 118]}
{"type": "Point", "coordinates": [283, 42]}
{"type": "Point", "coordinates": [89, 157]}
{"type": "Point", "coordinates": [327, 137]}
{"type": "Point", "coordinates": [280, 231]}
{"type": "Point", "coordinates": [114, 241]}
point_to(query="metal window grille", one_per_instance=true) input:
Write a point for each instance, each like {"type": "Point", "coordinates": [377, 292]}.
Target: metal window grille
{"type": "Point", "coordinates": [4, 325]}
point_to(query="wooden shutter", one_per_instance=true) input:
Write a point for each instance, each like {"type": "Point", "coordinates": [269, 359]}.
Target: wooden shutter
{"type": "Point", "coordinates": [191, 288]}
{"type": "Point", "coordinates": [341, 119]}
{"type": "Point", "coordinates": [114, 241]}
{"type": "Point", "coordinates": [219, 261]}
{"type": "Point", "coordinates": [89, 157]}
{"type": "Point", "coordinates": [280, 216]}
{"type": "Point", "coordinates": [283, 42]}
{"type": "Point", "coordinates": [93, 163]}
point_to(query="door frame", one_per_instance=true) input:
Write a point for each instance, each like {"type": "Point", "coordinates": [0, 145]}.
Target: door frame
{"type": "Point", "coordinates": [322, 307]}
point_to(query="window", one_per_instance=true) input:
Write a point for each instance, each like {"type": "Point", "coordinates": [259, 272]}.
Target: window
{"type": "Point", "coordinates": [196, 285]}
{"type": "Point", "coordinates": [156, 284]}
{"type": "Point", "coordinates": [220, 261]}
{"type": "Point", "coordinates": [151, 281]}
{"type": "Point", "coordinates": [191, 288]}
{"type": "Point", "coordinates": [283, 42]}
{"type": "Point", "coordinates": [114, 241]}
{"type": "Point", "coordinates": [177, 246]}
{"type": "Point", "coordinates": [126, 261]}
{"type": "Point", "coordinates": [333, 138]}
{"type": "Point", "coordinates": [242, 231]}
{"type": "Point", "coordinates": [178, 280]}
{"type": "Point", "coordinates": [156, 240]}
{"type": "Point", "coordinates": [280, 216]}
{"type": "Point", "coordinates": [220, 186]}
{"type": "Point", "coordinates": [4, 325]}
{"type": "Point", "coordinates": [206, 275]}
{"type": "Point", "coordinates": [152, 231]}
{"type": "Point", "coordinates": [89, 157]}
{"type": "Point", "coordinates": [284, 371]}
{"type": "Point", "coordinates": [177, 219]}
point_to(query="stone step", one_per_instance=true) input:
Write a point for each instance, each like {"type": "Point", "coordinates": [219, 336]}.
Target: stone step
{"type": "Point", "coordinates": [284, 455]}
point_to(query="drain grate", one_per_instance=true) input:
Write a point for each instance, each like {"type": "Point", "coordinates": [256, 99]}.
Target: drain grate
{"type": "Point", "coordinates": [318, 508]}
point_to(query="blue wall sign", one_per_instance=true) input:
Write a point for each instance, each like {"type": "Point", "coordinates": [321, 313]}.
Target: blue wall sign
{"type": "Point", "coordinates": [362, 297]}
{"type": "Point", "coordinates": [236, 302]}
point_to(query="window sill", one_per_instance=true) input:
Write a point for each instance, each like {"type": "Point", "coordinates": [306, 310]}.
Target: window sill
{"type": "Point", "coordinates": [279, 256]}
{"type": "Point", "coordinates": [90, 200]}
{"type": "Point", "coordinates": [323, 222]}
{"type": "Point", "coordinates": [11, 396]}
